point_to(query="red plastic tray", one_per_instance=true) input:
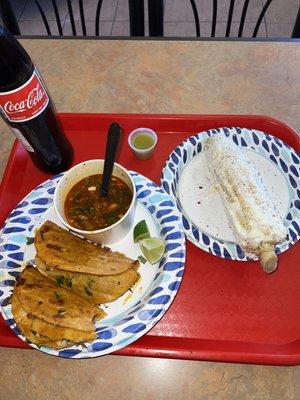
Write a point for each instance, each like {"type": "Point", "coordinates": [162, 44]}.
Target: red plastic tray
{"type": "Point", "coordinates": [224, 310]}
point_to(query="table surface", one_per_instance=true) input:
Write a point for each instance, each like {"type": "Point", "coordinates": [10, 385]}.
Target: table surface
{"type": "Point", "coordinates": [157, 77]}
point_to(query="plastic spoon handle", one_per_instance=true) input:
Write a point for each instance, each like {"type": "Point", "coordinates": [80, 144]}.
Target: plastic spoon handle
{"type": "Point", "coordinates": [113, 138]}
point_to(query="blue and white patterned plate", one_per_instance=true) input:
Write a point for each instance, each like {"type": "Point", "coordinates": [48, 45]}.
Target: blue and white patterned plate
{"type": "Point", "coordinates": [133, 314]}
{"type": "Point", "coordinates": [186, 178]}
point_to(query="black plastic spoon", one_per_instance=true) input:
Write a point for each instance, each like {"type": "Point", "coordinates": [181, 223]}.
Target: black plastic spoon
{"type": "Point", "coordinates": [112, 143]}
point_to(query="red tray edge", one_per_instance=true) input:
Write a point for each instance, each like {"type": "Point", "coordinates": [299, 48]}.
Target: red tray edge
{"type": "Point", "coordinates": [204, 350]}
{"type": "Point", "coordinates": [210, 350]}
{"type": "Point", "coordinates": [66, 115]}
{"type": "Point", "coordinates": [254, 117]}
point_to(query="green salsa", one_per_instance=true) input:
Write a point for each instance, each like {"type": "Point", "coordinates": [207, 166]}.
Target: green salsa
{"type": "Point", "coordinates": [87, 210]}
{"type": "Point", "coordinates": [143, 141]}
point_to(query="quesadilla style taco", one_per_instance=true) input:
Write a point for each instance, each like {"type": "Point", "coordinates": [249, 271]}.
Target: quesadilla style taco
{"type": "Point", "coordinates": [58, 247]}
{"type": "Point", "coordinates": [42, 298]}
{"type": "Point", "coordinates": [94, 272]}
{"type": "Point", "coordinates": [49, 315]}
{"type": "Point", "coordinates": [45, 334]}
{"type": "Point", "coordinates": [96, 289]}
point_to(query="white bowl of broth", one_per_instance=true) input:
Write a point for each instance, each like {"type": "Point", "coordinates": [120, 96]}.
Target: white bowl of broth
{"type": "Point", "coordinates": [82, 209]}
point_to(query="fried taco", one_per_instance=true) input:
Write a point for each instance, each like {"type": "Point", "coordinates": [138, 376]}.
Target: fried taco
{"type": "Point", "coordinates": [95, 273]}
{"type": "Point", "coordinates": [50, 315]}
{"type": "Point", "coordinates": [58, 247]}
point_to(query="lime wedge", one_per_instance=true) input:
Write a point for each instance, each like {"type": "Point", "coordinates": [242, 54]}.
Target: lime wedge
{"type": "Point", "coordinates": [140, 231]}
{"type": "Point", "coordinates": [153, 249]}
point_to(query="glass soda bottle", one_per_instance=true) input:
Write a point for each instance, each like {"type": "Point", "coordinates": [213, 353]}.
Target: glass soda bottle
{"type": "Point", "coordinates": [26, 106]}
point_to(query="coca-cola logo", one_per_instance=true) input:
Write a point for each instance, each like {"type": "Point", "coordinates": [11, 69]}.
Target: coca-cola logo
{"type": "Point", "coordinates": [33, 98]}
{"type": "Point", "coordinates": [26, 102]}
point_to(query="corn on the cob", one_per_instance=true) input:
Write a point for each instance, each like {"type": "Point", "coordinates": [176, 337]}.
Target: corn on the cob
{"type": "Point", "coordinates": [254, 218]}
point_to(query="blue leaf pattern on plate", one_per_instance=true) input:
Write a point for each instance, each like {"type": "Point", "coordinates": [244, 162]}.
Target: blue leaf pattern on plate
{"type": "Point", "coordinates": [14, 273]}
{"type": "Point", "coordinates": [294, 170]}
{"type": "Point", "coordinates": [14, 229]}
{"type": "Point", "coordinates": [148, 314]}
{"type": "Point", "coordinates": [172, 266]}
{"type": "Point", "coordinates": [17, 256]}
{"type": "Point", "coordinates": [134, 328]}
{"type": "Point", "coordinates": [107, 334]}
{"type": "Point", "coordinates": [174, 285]}
{"type": "Point", "coordinates": [15, 213]}
{"type": "Point", "coordinates": [21, 220]}
{"type": "Point", "coordinates": [172, 246]}
{"type": "Point", "coordinates": [156, 290]}
{"type": "Point", "coordinates": [166, 230]}
{"type": "Point", "coordinates": [11, 247]}
{"type": "Point", "coordinates": [159, 300]}
{"type": "Point", "coordinates": [173, 236]}
{"type": "Point", "coordinates": [173, 218]}
{"type": "Point", "coordinates": [143, 194]}
{"type": "Point", "coordinates": [41, 201]}
{"type": "Point", "coordinates": [69, 353]}
{"type": "Point", "coordinates": [185, 223]}
{"type": "Point", "coordinates": [35, 211]}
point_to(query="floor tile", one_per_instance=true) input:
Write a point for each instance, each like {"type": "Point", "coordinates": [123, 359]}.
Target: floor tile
{"type": "Point", "coordinates": [31, 10]}
{"type": "Point", "coordinates": [176, 10]}
{"type": "Point", "coordinates": [120, 28]}
{"type": "Point", "coordinates": [181, 10]}
{"type": "Point", "coordinates": [105, 28]}
{"type": "Point", "coordinates": [122, 13]}
{"type": "Point", "coordinates": [279, 30]}
{"type": "Point", "coordinates": [247, 31]}
{"type": "Point", "coordinates": [107, 12]}
{"type": "Point", "coordinates": [37, 27]}
{"type": "Point", "coordinates": [183, 29]}
{"type": "Point", "coordinates": [282, 11]}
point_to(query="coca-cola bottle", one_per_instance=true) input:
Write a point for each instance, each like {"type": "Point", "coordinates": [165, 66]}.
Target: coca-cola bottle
{"type": "Point", "coordinates": [26, 107]}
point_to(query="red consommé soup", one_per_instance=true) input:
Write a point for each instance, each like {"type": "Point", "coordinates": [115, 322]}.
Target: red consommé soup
{"type": "Point", "coordinates": [87, 210]}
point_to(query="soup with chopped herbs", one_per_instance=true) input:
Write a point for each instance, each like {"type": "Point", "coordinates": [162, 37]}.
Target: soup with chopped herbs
{"type": "Point", "coordinates": [87, 210]}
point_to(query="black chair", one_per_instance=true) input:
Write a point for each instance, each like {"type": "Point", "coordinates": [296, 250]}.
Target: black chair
{"type": "Point", "coordinates": [156, 18]}
{"type": "Point", "coordinates": [137, 17]}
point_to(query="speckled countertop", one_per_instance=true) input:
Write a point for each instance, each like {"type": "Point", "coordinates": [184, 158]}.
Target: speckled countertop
{"type": "Point", "coordinates": [157, 77]}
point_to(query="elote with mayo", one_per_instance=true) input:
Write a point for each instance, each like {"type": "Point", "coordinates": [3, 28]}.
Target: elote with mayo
{"type": "Point", "coordinates": [254, 218]}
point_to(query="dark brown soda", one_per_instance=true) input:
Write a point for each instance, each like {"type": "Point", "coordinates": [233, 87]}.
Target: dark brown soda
{"type": "Point", "coordinates": [52, 150]}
